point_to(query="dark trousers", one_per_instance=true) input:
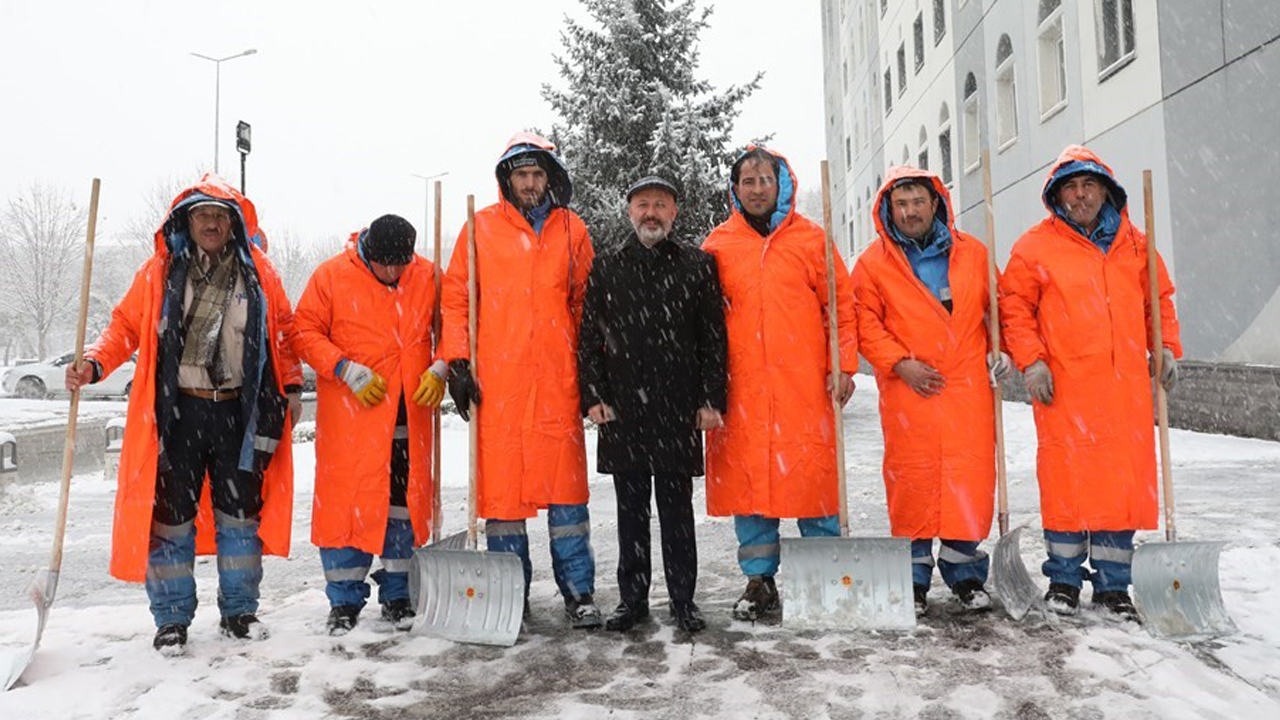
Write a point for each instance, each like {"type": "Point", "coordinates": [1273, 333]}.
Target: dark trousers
{"type": "Point", "coordinates": [675, 517]}
{"type": "Point", "coordinates": [205, 438]}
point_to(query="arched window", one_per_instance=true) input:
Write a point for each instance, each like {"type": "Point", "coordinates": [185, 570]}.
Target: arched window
{"type": "Point", "coordinates": [1052, 54]}
{"type": "Point", "coordinates": [906, 155]}
{"type": "Point", "coordinates": [972, 138]}
{"type": "Point", "coordinates": [1116, 35]}
{"type": "Point", "coordinates": [939, 21]}
{"type": "Point", "coordinates": [944, 145]}
{"type": "Point", "coordinates": [1006, 94]}
{"type": "Point", "coordinates": [922, 149]}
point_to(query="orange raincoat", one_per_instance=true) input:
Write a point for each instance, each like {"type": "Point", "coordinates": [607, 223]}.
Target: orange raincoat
{"type": "Point", "coordinates": [775, 455]}
{"type": "Point", "coordinates": [133, 327]}
{"type": "Point", "coordinates": [346, 312]}
{"type": "Point", "coordinates": [1087, 315]}
{"type": "Point", "coordinates": [531, 288]}
{"type": "Point", "coordinates": [939, 461]}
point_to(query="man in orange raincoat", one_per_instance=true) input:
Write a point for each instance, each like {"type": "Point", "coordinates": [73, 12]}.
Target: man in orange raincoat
{"type": "Point", "coordinates": [364, 324]}
{"type": "Point", "coordinates": [775, 455]}
{"type": "Point", "coordinates": [533, 256]}
{"type": "Point", "coordinates": [923, 296]}
{"type": "Point", "coordinates": [215, 385]}
{"type": "Point", "coordinates": [1076, 311]}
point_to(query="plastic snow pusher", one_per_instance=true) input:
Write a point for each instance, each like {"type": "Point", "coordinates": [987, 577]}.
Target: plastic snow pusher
{"type": "Point", "coordinates": [844, 582]}
{"type": "Point", "coordinates": [1018, 593]}
{"type": "Point", "coordinates": [1175, 584]}
{"type": "Point", "coordinates": [465, 594]}
{"type": "Point", "coordinates": [45, 586]}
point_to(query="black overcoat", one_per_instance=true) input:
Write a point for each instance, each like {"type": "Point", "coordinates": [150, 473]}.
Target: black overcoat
{"type": "Point", "coordinates": [652, 346]}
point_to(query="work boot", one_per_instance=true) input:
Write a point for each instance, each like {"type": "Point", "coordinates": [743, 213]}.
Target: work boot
{"type": "Point", "coordinates": [688, 617]}
{"type": "Point", "coordinates": [1118, 602]}
{"type": "Point", "coordinates": [625, 617]}
{"type": "Point", "coordinates": [921, 595]}
{"type": "Point", "coordinates": [171, 640]}
{"type": "Point", "coordinates": [582, 612]}
{"type": "Point", "coordinates": [342, 619]}
{"type": "Point", "coordinates": [972, 596]}
{"type": "Point", "coordinates": [1062, 598]}
{"type": "Point", "coordinates": [758, 600]}
{"type": "Point", "coordinates": [399, 613]}
{"type": "Point", "coordinates": [243, 627]}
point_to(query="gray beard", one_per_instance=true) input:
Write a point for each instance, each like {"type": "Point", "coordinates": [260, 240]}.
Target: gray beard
{"type": "Point", "coordinates": [650, 237]}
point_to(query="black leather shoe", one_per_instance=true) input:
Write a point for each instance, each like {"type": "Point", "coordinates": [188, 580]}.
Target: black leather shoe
{"type": "Point", "coordinates": [1118, 602]}
{"type": "Point", "coordinates": [342, 619]}
{"type": "Point", "coordinates": [582, 612]}
{"type": "Point", "coordinates": [243, 627]}
{"type": "Point", "coordinates": [399, 613]}
{"type": "Point", "coordinates": [171, 639]}
{"type": "Point", "coordinates": [626, 617]}
{"type": "Point", "coordinates": [688, 617]}
{"type": "Point", "coordinates": [1062, 598]}
{"type": "Point", "coordinates": [920, 595]}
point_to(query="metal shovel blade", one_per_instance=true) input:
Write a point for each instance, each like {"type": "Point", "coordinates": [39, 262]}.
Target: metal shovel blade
{"type": "Point", "coordinates": [1176, 590]}
{"type": "Point", "coordinates": [456, 541]}
{"type": "Point", "coordinates": [847, 583]}
{"type": "Point", "coordinates": [14, 664]}
{"type": "Point", "coordinates": [469, 596]}
{"type": "Point", "coordinates": [1018, 592]}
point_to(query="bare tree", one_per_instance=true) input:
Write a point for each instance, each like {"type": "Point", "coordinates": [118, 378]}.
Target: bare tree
{"type": "Point", "coordinates": [139, 231]}
{"type": "Point", "coordinates": [295, 259]}
{"type": "Point", "coordinates": [41, 234]}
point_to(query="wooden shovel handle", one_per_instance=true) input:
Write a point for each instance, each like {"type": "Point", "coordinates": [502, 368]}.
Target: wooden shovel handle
{"type": "Point", "coordinates": [993, 327]}
{"type": "Point", "coordinates": [1157, 355]}
{"type": "Point", "coordinates": [69, 444]}
{"type": "Point", "coordinates": [833, 332]}
{"type": "Point", "coordinates": [437, 505]}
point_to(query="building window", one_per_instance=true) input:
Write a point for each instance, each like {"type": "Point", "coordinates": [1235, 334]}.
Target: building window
{"type": "Point", "coordinates": [884, 7]}
{"type": "Point", "coordinates": [918, 41]}
{"type": "Point", "coordinates": [1115, 35]}
{"type": "Point", "coordinates": [888, 91]}
{"type": "Point", "coordinates": [922, 155]}
{"type": "Point", "coordinates": [1053, 59]}
{"type": "Point", "coordinates": [906, 155]}
{"type": "Point", "coordinates": [944, 145]}
{"type": "Point", "coordinates": [1006, 95]}
{"type": "Point", "coordinates": [972, 155]}
{"type": "Point", "coordinates": [939, 21]}
{"type": "Point", "coordinates": [848, 152]}
{"type": "Point", "coordinates": [871, 220]}
{"type": "Point", "coordinates": [902, 68]}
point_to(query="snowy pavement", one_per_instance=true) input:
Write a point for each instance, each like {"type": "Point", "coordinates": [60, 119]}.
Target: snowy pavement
{"type": "Point", "coordinates": [96, 660]}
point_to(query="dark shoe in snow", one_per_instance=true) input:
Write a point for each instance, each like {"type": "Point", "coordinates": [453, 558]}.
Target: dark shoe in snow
{"type": "Point", "coordinates": [758, 600]}
{"type": "Point", "coordinates": [171, 640]}
{"type": "Point", "coordinates": [1118, 602]}
{"type": "Point", "coordinates": [243, 627]}
{"type": "Point", "coordinates": [688, 617]}
{"type": "Point", "coordinates": [399, 613]}
{"type": "Point", "coordinates": [1062, 598]}
{"type": "Point", "coordinates": [342, 619]}
{"type": "Point", "coordinates": [582, 612]}
{"type": "Point", "coordinates": [972, 596]}
{"type": "Point", "coordinates": [920, 593]}
{"type": "Point", "coordinates": [625, 617]}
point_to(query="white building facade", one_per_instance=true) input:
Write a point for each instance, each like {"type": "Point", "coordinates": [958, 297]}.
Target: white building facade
{"type": "Point", "coordinates": [1175, 87]}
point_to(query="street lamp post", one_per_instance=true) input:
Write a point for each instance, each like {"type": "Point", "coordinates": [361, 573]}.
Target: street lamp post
{"type": "Point", "coordinates": [217, 93]}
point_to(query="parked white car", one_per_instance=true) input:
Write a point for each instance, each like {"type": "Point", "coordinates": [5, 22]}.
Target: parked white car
{"type": "Point", "coordinates": [42, 379]}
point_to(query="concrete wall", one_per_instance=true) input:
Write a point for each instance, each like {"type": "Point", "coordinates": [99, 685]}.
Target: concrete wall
{"type": "Point", "coordinates": [1221, 104]}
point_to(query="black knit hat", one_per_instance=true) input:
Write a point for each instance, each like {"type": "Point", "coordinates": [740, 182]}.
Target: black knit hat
{"type": "Point", "coordinates": [389, 241]}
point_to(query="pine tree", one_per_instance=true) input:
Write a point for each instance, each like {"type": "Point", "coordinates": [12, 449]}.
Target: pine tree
{"type": "Point", "coordinates": [633, 106]}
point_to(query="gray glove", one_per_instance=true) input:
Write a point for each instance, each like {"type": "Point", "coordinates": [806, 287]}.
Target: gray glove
{"type": "Point", "coordinates": [1039, 382]}
{"type": "Point", "coordinates": [998, 367]}
{"type": "Point", "coordinates": [1168, 369]}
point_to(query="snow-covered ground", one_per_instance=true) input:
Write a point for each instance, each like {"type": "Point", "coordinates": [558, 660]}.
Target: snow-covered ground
{"type": "Point", "coordinates": [96, 660]}
{"type": "Point", "coordinates": [18, 414]}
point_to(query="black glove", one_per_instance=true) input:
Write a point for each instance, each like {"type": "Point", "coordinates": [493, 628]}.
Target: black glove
{"type": "Point", "coordinates": [463, 387]}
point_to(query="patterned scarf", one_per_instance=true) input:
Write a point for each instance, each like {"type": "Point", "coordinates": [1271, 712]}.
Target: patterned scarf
{"type": "Point", "coordinates": [202, 344]}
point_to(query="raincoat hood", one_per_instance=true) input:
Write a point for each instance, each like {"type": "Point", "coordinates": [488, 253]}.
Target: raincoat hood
{"type": "Point", "coordinates": [1077, 159]}
{"type": "Point", "coordinates": [788, 190]}
{"type": "Point", "coordinates": [559, 186]}
{"type": "Point", "coordinates": [884, 222]}
{"type": "Point", "coordinates": [172, 236]}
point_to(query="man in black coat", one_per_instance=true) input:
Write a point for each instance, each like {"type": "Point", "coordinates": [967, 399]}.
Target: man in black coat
{"type": "Point", "coordinates": [652, 371]}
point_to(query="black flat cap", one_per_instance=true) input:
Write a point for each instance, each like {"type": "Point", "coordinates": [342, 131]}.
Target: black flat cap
{"type": "Point", "coordinates": [652, 181]}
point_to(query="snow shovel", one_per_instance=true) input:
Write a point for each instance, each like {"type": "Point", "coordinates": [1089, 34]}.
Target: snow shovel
{"type": "Point", "coordinates": [1012, 582]}
{"type": "Point", "coordinates": [1175, 584]}
{"type": "Point", "coordinates": [468, 595]}
{"type": "Point", "coordinates": [45, 586]}
{"type": "Point", "coordinates": [844, 582]}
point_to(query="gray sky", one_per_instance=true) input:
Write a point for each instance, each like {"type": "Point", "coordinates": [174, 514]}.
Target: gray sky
{"type": "Point", "coordinates": [346, 99]}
